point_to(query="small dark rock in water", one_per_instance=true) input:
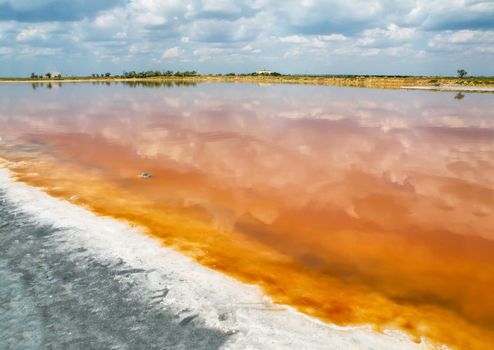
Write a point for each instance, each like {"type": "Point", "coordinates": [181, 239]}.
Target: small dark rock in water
{"type": "Point", "coordinates": [146, 175]}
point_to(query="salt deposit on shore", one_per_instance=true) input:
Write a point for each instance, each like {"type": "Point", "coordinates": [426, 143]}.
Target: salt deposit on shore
{"type": "Point", "coordinates": [194, 294]}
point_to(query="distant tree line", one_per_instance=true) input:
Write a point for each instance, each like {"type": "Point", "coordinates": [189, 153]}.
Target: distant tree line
{"type": "Point", "coordinates": [461, 73]}
{"type": "Point", "coordinates": [157, 73]}
{"type": "Point", "coordinates": [131, 74]}
{"type": "Point", "coordinates": [46, 75]}
{"type": "Point", "coordinates": [103, 75]}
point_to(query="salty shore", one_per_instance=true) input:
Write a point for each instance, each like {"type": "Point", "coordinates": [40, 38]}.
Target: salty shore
{"type": "Point", "coordinates": [122, 288]}
{"type": "Point", "coordinates": [382, 82]}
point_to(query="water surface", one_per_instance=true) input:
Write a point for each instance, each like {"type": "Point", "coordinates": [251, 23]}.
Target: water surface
{"type": "Point", "coordinates": [357, 206]}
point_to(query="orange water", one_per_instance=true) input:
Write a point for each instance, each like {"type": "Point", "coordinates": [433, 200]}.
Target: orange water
{"type": "Point", "coordinates": [356, 206]}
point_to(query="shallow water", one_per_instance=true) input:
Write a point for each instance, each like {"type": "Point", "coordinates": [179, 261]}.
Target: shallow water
{"type": "Point", "coordinates": [357, 206]}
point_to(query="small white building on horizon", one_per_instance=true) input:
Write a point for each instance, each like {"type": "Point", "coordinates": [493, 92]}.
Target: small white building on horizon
{"type": "Point", "coordinates": [264, 72]}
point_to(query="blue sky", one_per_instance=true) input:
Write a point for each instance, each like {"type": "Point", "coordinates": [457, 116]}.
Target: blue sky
{"type": "Point", "coordinates": [429, 37]}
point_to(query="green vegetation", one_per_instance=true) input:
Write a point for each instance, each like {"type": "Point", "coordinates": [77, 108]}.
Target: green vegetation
{"type": "Point", "coordinates": [157, 73]}
{"type": "Point", "coordinates": [125, 75]}
{"type": "Point", "coordinates": [153, 74]}
{"type": "Point", "coordinates": [461, 73]}
{"type": "Point", "coordinates": [164, 77]}
{"type": "Point", "coordinates": [48, 76]}
{"type": "Point", "coordinates": [104, 75]}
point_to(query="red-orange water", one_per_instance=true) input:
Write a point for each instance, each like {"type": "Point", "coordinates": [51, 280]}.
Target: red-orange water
{"type": "Point", "coordinates": [356, 206]}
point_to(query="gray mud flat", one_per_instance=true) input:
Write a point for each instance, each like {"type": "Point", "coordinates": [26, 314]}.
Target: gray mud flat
{"type": "Point", "coordinates": [55, 299]}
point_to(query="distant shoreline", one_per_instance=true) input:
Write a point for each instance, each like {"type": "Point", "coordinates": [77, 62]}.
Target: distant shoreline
{"type": "Point", "coordinates": [413, 83]}
{"type": "Point", "coordinates": [452, 88]}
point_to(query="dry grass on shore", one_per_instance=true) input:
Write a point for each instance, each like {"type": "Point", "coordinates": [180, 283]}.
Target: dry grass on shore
{"type": "Point", "coordinates": [386, 82]}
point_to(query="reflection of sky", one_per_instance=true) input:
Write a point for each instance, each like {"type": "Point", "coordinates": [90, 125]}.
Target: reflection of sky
{"type": "Point", "coordinates": [383, 108]}
{"type": "Point", "coordinates": [388, 189]}
{"type": "Point", "coordinates": [287, 140]}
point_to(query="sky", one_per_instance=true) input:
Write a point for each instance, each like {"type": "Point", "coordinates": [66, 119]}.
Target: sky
{"type": "Point", "coordinates": [407, 37]}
